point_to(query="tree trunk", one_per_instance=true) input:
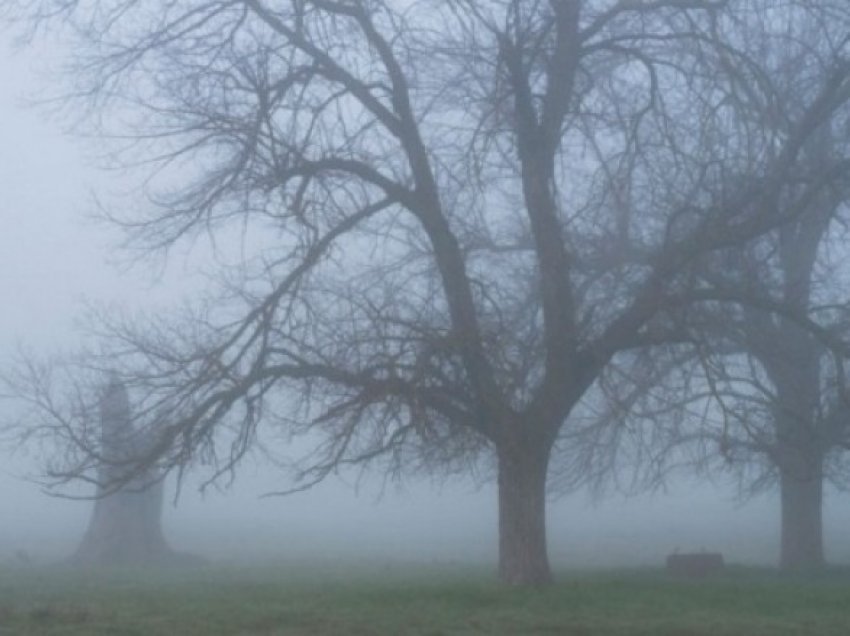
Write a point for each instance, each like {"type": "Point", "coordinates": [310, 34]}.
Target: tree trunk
{"type": "Point", "coordinates": [802, 519]}
{"type": "Point", "coordinates": [523, 559]}
{"type": "Point", "coordinates": [795, 371]}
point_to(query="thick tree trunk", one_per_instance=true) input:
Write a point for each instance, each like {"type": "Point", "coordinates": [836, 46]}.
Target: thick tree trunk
{"type": "Point", "coordinates": [795, 370]}
{"type": "Point", "coordinates": [802, 519]}
{"type": "Point", "coordinates": [523, 559]}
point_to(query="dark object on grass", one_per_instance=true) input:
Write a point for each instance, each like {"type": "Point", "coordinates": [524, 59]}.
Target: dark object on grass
{"type": "Point", "coordinates": [126, 524]}
{"type": "Point", "coordinates": [695, 565]}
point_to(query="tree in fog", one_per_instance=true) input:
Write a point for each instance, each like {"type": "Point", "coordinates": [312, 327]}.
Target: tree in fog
{"type": "Point", "coordinates": [454, 215]}
{"type": "Point", "coordinates": [776, 365]}
{"type": "Point", "coordinates": [759, 390]}
{"type": "Point", "coordinates": [774, 360]}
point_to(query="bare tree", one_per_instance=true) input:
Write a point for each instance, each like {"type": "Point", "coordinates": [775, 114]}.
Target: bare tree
{"type": "Point", "coordinates": [773, 359]}
{"type": "Point", "coordinates": [777, 375]}
{"type": "Point", "coordinates": [453, 216]}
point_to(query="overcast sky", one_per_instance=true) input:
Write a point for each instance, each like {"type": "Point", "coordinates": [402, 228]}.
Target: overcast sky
{"type": "Point", "coordinates": [53, 259]}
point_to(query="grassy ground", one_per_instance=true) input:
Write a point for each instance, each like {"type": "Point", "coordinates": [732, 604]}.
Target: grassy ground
{"type": "Point", "coordinates": [288, 601]}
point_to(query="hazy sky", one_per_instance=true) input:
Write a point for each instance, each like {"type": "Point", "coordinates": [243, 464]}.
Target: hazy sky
{"type": "Point", "coordinates": [52, 258]}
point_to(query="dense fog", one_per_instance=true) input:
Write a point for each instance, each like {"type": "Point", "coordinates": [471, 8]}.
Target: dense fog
{"type": "Point", "coordinates": [421, 522]}
{"type": "Point", "coordinates": [53, 260]}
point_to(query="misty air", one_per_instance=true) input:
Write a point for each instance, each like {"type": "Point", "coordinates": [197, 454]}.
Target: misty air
{"type": "Point", "coordinates": [424, 317]}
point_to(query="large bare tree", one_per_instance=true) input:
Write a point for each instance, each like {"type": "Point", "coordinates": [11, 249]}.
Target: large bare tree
{"type": "Point", "coordinates": [756, 384]}
{"type": "Point", "coordinates": [776, 365]}
{"type": "Point", "coordinates": [772, 354]}
{"type": "Point", "coordinates": [453, 215]}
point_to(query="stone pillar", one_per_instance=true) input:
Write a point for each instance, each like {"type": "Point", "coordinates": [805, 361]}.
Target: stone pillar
{"type": "Point", "coordinates": [126, 525]}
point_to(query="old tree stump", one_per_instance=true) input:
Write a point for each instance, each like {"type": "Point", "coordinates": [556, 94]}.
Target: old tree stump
{"type": "Point", "coordinates": [126, 525]}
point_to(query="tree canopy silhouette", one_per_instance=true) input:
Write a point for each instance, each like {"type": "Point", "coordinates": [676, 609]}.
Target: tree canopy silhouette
{"type": "Point", "coordinates": [454, 214]}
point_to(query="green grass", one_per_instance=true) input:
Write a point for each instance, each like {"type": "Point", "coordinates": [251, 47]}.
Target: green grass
{"type": "Point", "coordinates": [416, 601]}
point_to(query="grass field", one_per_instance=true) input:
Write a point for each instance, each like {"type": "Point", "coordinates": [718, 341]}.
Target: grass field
{"type": "Point", "coordinates": [422, 601]}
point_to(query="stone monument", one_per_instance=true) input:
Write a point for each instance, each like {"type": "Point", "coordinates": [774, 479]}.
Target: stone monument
{"type": "Point", "coordinates": [126, 524]}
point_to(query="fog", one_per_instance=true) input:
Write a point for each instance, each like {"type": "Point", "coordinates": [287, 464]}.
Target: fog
{"type": "Point", "coordinates": [54, 259]}
{"type": "Point", "coordinates": [420, 522]}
